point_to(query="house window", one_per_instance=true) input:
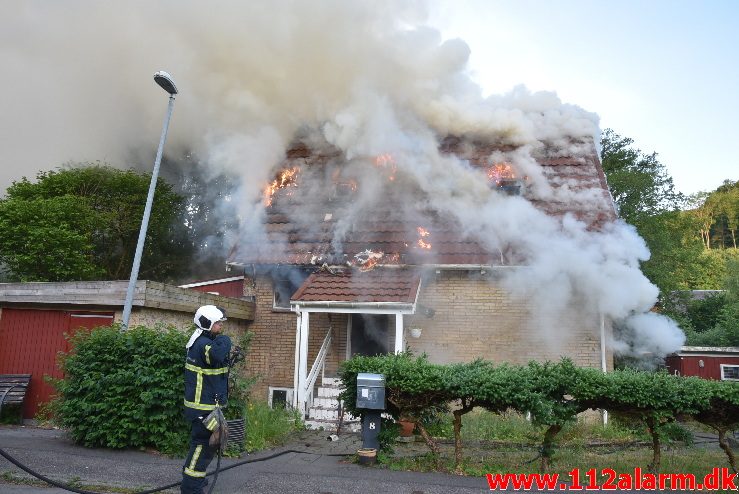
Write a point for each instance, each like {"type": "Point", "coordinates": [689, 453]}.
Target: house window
{"type": "Point", "coordinates": [284, 287]}
{"type": "Point", "coordinates": [729, 372]}
{"type": "Point", "coordinates": [280, 397]}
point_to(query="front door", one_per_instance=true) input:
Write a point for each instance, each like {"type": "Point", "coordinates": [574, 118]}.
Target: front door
{"type": "Point", "coordinates": [369, 335]}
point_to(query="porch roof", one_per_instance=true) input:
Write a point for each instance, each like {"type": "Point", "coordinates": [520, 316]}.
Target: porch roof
{"type": "Point", "coordinates": [386, 287]}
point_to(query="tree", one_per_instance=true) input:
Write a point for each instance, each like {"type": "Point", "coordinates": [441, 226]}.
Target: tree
{"type": "Point", "coordinates": [646, 197]}
{"type": "Point", "coordinates": [81, 222]}
{"type": "Point", "coordinates": [639, 183]}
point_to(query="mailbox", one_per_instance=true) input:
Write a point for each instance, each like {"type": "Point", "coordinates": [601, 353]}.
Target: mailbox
{"type": "Point", "coordinates": [370, 391]}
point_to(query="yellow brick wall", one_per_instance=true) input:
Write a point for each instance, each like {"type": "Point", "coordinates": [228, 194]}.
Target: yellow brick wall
{"type": "Point", "coordinates": [473, 318]}
{"type": "Point", "coordinates": [272, 354]}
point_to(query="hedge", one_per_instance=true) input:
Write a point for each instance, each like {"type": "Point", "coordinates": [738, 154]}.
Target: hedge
{"type": "Point", "coordinates": [554, 393]}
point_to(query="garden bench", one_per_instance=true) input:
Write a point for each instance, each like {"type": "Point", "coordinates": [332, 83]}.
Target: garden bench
{"type": "Point", "coordinates": [13, 389]}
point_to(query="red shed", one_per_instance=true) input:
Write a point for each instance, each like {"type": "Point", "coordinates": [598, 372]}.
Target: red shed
{"type": "Point", "coordinates": [225, 287]}
{"type": "Point", "coordinates": [719, 363]}
{"type": "Point", "coordinates": [34, 318]}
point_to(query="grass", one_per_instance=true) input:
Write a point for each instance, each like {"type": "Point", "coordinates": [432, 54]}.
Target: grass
{"type": "Point", "coordinates": [508, 443]}
{"type": "Point", "coordinates": [480, 425]}
{"type": "Point", "coordinates": [267, 427]}
{"type": "Point", "coordinates": [693, 460]}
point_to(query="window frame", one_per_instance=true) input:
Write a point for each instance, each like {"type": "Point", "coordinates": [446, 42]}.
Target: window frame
{"type": "Point", "coordinates": [723, 375]}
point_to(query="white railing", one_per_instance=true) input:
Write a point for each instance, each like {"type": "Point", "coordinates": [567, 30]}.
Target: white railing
{"type": "Point", "coordinates": [319, 364]}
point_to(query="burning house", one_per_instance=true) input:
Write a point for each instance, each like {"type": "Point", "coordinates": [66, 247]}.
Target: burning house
{"type": "Point", "coordinates": [352, 256]}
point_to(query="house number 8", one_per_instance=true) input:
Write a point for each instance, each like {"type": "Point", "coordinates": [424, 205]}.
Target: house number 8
{"type": "Point", "coordinates": [372, 425]}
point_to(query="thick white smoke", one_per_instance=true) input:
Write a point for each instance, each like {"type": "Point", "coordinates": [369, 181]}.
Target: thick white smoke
{"type": "Point", "coordinates": [367, 77]}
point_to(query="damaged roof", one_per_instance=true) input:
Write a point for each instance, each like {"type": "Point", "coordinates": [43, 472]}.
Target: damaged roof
{"type": "Point", "coordinates": [321, 223]}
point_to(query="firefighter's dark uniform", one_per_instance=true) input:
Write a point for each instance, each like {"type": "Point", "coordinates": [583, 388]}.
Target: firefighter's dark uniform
{"type": "Point", "coordinates": [206, 379]}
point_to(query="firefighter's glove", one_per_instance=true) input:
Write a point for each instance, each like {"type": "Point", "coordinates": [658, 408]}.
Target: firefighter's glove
{"type": "Point", "coordinates": [216, 423]}
{"type": "Point", "coordinates": [236, 356]}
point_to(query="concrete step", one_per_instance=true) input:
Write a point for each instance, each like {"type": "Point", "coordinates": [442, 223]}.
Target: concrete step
{"type": "Point", "coordinates": [331, 381]}
{"type": "Point", "coordinates": [323, 402]}
{"type": "Point", "coordinates": [330, 425]}
{"type": "Point", "coordinates": [328, 392]}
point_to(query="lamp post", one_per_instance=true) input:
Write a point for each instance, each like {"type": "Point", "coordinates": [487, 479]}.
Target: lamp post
{"type": "Point", "coordinates": [165, 81]}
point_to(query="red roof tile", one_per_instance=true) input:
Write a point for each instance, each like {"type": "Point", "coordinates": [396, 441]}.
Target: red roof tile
{"type": "Point", "coordinates": [353, 286]}
{"type": "Point", "coordinates": [319, 227]}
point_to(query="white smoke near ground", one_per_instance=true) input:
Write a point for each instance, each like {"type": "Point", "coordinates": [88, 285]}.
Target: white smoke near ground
{"type": "Point", "coordinates": [368, 78]}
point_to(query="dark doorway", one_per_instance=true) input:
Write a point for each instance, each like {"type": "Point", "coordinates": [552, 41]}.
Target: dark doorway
{"type": "Point", "coordinates": [369, 334]}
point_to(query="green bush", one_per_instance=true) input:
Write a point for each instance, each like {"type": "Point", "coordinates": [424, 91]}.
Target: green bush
{"type": "Point", "coordinates": [124, 389]}
{"type": "Point", "coordinates": [554, 394]}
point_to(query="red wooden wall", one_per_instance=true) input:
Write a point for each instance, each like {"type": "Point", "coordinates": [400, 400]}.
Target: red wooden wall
{"type": "Point", "coordinates": [30, 340]}
{"type": "Point", "coordinates": [689, 365]}
{"type": "Point", "coordinates": [233, 289]}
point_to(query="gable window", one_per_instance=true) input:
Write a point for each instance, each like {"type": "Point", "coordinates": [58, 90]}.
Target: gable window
{"type": "Point", "coordinates": [284, 287]}
{"type": "Point", "coordinates": [281, 299]}
{"type": "Point", "coordinates": [729, 372]}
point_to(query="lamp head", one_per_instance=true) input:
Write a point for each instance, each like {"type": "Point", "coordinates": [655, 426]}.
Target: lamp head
{"type": "Point", "coordinates": [165, 81]}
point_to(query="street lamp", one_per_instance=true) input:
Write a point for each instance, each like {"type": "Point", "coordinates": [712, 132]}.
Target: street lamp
{"type": "Point", "coordinates": [165, 81]}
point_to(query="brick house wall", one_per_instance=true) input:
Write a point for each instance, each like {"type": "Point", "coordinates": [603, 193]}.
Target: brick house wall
{"type": "Point", "coordinates": [272, 354]}
{"type": "Point", "coordinates": [473, 318]}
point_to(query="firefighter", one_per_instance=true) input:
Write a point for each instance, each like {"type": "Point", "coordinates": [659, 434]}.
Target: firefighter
{"type": "Point", "coordinates": [206, 383]}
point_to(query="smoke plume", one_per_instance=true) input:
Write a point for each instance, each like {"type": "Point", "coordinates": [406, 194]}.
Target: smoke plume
{"type": "Point", "coordinates": [366, 78]}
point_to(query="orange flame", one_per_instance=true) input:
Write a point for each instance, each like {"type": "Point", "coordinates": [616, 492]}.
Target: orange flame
{"type": "Point", "coordinates": [387, 162]}
{"type": "Point", "coordinates": [423, 233]}
{"type": "Point", "coordinates": [499, 172]}
{"type": "Point", "coordinates": [285, 178]}
{"type": "Point", "coordinates": [368, 259]}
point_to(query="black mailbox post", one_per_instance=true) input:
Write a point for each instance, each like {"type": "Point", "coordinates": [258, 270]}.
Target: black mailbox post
{"type": "Point", "coordinates": [371, 397]}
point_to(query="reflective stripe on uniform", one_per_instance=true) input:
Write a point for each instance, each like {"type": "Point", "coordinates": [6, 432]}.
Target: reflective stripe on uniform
{"type": "Point", "coordinates": [190, 469]}
{"type": "Point", "coordinates": [207, 372]}
{"type": "Point", "coordinates": [194, 473]}
{"type": "Point", "coordinates": [198, 387]}
{"type": "Point", "coordinates": [199, 406]}
{"type": "Point", "coordinates": [212, 424]}
{"type": "Point", "coordinates": [207, 354]}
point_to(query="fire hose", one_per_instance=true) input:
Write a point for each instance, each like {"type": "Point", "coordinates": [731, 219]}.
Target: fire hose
{"type": "Point", "coordinates": [67, 487]}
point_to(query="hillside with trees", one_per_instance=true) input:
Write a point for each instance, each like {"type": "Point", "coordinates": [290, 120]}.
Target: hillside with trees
{"type": "Point", "coordinates": [692, 240]}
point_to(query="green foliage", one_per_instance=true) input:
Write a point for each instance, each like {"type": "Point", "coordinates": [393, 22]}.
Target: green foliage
{"type": "Point", "coordinates": [124, 389]}
{"type": "Point", "coordinates": [239, 384]}
{"type": "Point", "coordinates": [82, 222]}
{"type": "Point", "coordinates": [414, 386]}
{"type": "Point", "coordinates": [639, 183]}
{"type": "Point", "coordinates": [704, 314]}
{"type": "Point", "coordinates": [554, 393]}
{"type": "Point", "coordinates": [714, 321]}
{"type": "Point", "coordinates": [266, 427]}
{"type": "Point", "coordinates": [48, 239]}
{"type": "Point", "coordinates": [718, 212]}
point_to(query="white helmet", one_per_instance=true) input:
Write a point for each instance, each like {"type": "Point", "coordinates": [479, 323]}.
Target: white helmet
{"type": "Point", "coordinates": [208, 315]}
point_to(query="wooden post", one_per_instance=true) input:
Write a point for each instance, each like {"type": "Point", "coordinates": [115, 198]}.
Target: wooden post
{"type": "Point", "coordinates": [398, 332]}
{"type": "Point", "coordinates": [303, 367]}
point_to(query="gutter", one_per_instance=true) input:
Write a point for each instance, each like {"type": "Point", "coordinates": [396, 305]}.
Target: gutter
{"type": "Point", "coordinates": [395, 306]}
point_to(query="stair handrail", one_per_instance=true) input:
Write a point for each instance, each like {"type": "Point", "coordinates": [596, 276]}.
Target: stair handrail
{"type": "Point", "coordinates": [319, 363]}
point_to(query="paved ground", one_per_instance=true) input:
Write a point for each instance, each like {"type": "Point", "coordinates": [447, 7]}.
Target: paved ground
{"type": "Point", "coordinates": [52, 454]}
{"type": "Point", "coordinates": [321, 467]}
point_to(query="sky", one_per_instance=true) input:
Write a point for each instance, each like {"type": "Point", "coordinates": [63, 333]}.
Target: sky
{"type": "Point", "coordinates": [662, 72]}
